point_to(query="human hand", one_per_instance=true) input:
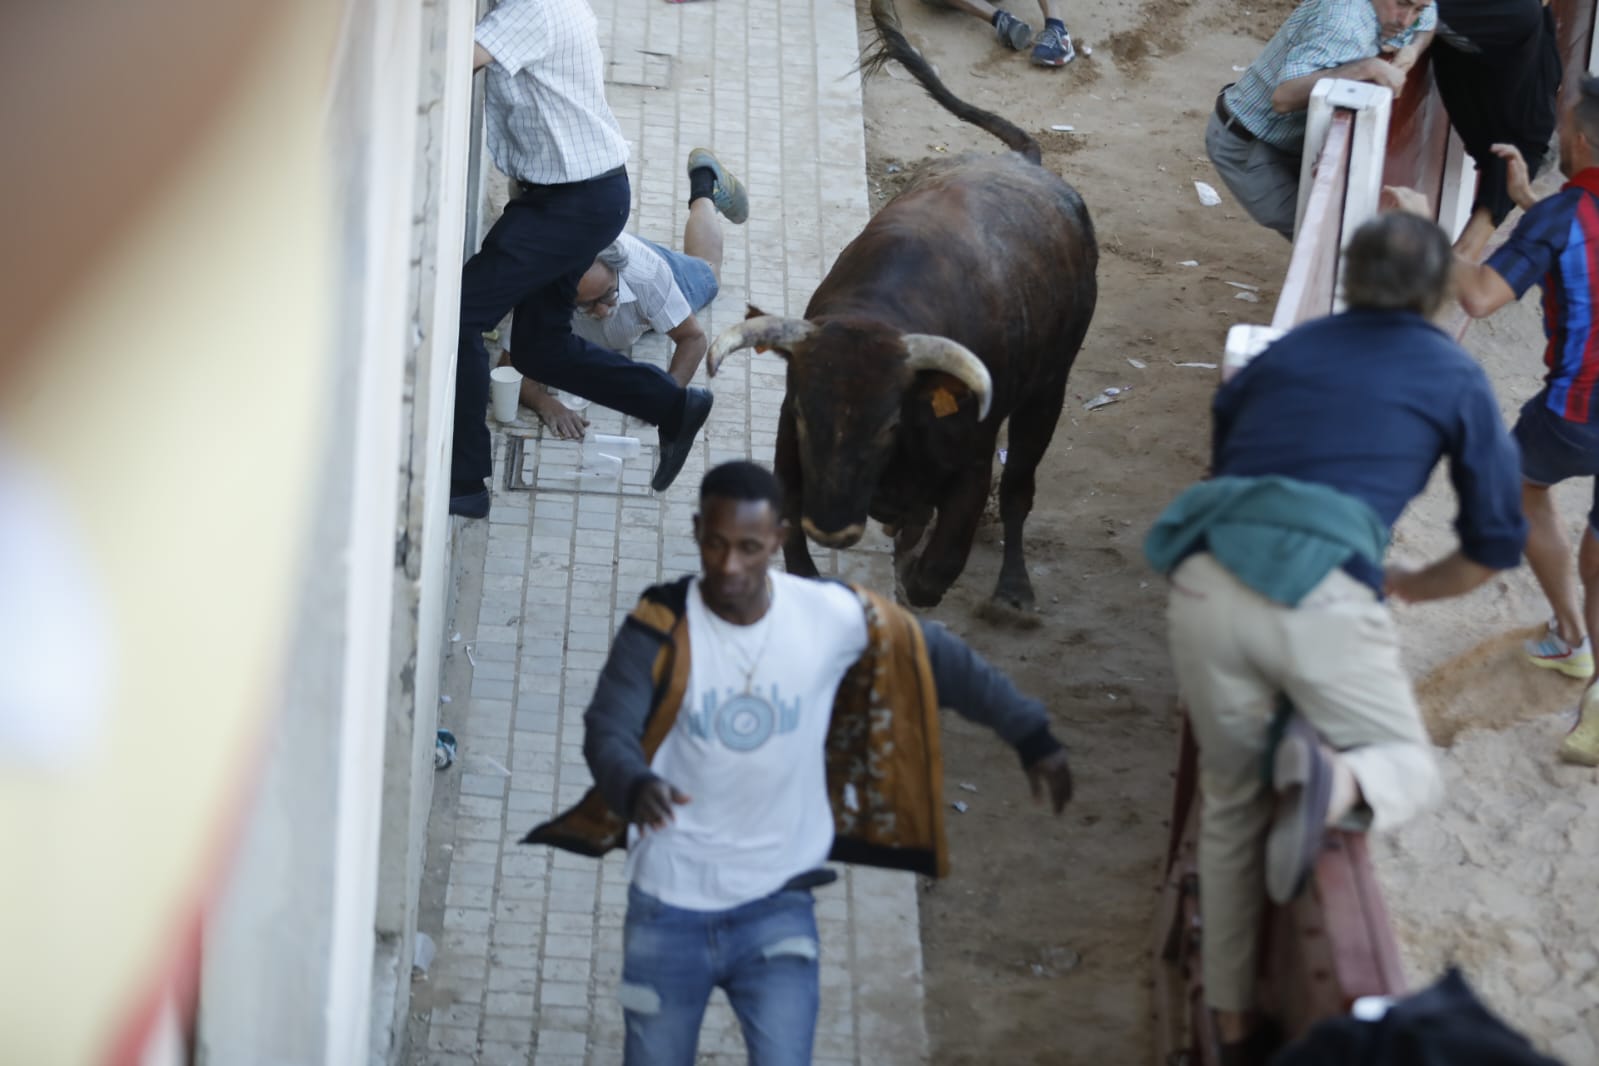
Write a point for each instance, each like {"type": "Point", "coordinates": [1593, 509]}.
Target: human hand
{"type": "Point", "coordinates": [558, 418]}
{"type": "Point", "coordinates": [1401, 198]}
{"type": "Point", "coordinates": [1518, 182]}
{"type": "Point", "coordinates": [652, 807]}
{"type": "Point", "coordinates": [1404, 59]}
{"type": "Point", "coordinates": [1387, 72]}
{"type": "Point", "coordinates": [1052, 771]}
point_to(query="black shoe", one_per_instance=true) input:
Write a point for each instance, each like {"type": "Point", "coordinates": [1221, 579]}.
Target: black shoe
{"type": "Point", "coordinates": [470, 504]}
{"type": "Point", "coordinates": [696, 406]}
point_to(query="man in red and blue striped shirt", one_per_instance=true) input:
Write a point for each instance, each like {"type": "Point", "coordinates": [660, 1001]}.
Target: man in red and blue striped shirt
{"type": "Point", "coordinates": [1556, 245]}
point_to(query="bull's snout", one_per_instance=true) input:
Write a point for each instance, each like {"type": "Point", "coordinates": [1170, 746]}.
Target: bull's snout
{"type": "Point", "coordinates": [843, 538]}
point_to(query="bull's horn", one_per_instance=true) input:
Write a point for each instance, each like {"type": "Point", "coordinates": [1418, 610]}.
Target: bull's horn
{"type": "Point", "coordinates": [762, 331]}
{"type": "Point", "coordinates": [927, 352]}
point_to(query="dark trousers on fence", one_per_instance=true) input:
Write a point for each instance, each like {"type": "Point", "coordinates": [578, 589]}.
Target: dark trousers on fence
{"type": "Point", "coordinates": [531, 261]}
{"type": "Point", "coordinates": [1505, 91]}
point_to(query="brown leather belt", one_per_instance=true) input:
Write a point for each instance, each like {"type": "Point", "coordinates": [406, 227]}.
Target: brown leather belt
{"type": "Point", "coordinates": [1228, 120]}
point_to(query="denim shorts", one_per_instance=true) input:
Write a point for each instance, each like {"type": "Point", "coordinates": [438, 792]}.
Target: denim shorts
{"type": "Point", "coordinates": [1554, 449]}
{"type": "Point", "coordinates": [693, 275]}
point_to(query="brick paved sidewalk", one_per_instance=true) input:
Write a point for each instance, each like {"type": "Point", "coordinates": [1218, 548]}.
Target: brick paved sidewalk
{"type": "Point", "coordinates": [529, 941]}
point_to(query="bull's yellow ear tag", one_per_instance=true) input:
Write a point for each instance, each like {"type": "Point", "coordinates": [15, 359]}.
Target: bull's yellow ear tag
{"type": "Point", "coordinates": [761, 349]}
{"type": "Point", "coordinates": [944, 402]}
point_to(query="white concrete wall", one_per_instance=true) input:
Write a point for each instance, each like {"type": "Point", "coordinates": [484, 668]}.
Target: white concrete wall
{"type": "Point", "coordinates": [422, 561]}
{"type": "Point", "coordinates": [288, 954]}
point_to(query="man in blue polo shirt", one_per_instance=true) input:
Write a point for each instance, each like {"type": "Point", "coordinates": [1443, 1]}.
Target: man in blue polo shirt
{"type": "Point", "coordinates": [1276, 567]}
{"type": "Point", "coordinates": [1556, 245]}
{"type": "Point", "coordinates": [1257, 132]}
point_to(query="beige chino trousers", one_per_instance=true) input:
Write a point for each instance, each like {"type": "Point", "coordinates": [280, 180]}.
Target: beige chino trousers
{"type": "Point", "coordinates": [1336, 656]}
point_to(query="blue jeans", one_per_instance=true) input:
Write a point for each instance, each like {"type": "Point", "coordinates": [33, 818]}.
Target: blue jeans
{"type": "Point", "coordinates": [692, 274]}
{"type": "Point", "coordinates": [762, 954]}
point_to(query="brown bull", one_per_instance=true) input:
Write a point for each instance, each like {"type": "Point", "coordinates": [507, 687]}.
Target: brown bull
{"type": "Point", "coordinates": [962, 304]}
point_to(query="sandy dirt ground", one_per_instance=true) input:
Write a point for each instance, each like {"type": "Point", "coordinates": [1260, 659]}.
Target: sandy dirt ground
{"type": "Point", "coordinates": [1037, 945]}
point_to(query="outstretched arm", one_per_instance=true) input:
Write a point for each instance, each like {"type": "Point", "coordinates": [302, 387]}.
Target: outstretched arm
{"type": "Point", "coordinates": [982, 694]}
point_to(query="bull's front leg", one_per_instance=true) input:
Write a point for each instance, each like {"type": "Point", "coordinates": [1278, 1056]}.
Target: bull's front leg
{"type": "Point", "coordinates": [948, 546]}
{"type": "Point", "coordinates": [786, 464]}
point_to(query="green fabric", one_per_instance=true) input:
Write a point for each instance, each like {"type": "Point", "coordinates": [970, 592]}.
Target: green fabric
{"type": "Point", "coordinates": [1279, 536]}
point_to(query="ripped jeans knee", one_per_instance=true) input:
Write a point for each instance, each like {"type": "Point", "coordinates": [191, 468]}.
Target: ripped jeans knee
{"type": "Point", "coordinates": [764, 955]}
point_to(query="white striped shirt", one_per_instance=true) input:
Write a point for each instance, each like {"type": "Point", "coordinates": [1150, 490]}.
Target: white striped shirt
{"type": "Point", "coordinates": [547, 118]}
{"type": "Point", "coordinates": [647, 298]}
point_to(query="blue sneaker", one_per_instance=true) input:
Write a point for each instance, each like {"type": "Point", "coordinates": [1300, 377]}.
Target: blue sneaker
{"type": "Point", "coordinates": [1552, 653]}
{"type": "Point", "coordinates": [728, 193]}
{"type": "Point", "coordinates": [1053, 47]}
{"type": "Point", "coordinates": [1012, 32]}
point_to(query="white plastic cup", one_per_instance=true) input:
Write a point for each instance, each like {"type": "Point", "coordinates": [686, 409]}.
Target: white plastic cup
{"type": "Point", "coordinates": [505, 389]}
{"type": "Point", "coordinates": [611, 444]}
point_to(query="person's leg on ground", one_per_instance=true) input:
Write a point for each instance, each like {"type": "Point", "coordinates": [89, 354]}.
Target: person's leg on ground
{"type": "Point", "coordinates": [1054, 47]}
{"type": "Point", "coordinates": [667, 977]}
{"type": "Point", "coordinates": [1011, 31]}
{"type": "Point", "coordinates": [702, 235]}
{"type": "Point", "coordinates": [1549, 555]}
{"type": "Point", "coordinates": [1552, 450]}
{"type": "Point", "coordinates": [1581, 745]}
{"type": "Point", "coordinates": [771, 977]}
{"type": "Point", "coordinates": [1230, 703]}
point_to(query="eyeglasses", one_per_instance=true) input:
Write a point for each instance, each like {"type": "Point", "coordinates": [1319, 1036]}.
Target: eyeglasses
{"type": "Point", "coordinates": [610, 298]}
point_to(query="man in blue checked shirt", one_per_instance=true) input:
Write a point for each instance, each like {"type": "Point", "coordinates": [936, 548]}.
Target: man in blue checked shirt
{"type": "Point", "coordinates": [1257, 133]}
{"type": "Point", "coordinates": [1555, 245]}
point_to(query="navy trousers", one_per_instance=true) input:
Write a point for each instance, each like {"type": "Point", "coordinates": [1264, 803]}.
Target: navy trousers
{"type": "Point", "coordinates": [532, 261]}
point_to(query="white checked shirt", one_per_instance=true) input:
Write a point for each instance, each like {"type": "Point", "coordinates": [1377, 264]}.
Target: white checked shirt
{"type": "Point", "coordinates": [547, 118]}
{"type": "Point", "coordinates": [647, 298]}
{"type": "Point", "coordinates": [1319, 35]}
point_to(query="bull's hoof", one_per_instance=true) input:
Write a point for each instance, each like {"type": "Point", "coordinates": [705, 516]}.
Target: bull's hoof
{"type": "Point", "coordinates": [919, 592]}
{"type": "Point", "coordinates": [1001, 612]}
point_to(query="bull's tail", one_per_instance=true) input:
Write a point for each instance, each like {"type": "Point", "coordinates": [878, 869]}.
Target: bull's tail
{"type": "Point", "coordinates": [892, 45]}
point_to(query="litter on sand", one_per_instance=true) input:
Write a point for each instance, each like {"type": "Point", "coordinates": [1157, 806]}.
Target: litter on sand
{"type": "Point", "coordinates": [1200, 366]}
{"type": "Point", "coordinates": [1248, 297]}
{"type": "Point", "coordinates": [1207, 195]}
{"type": "Point", "coordinates": [1087, 51]}
{"type": "Point", "coordinates": [1063, 129]}
{"type": "Point", "coordinates": [1238, 69]}
{"type": "Point", "coordinates": [423, 952]}
{"type": "Point", "coordinates": [1002, 453]}
{"type": "Point", "coordinates": [967, 786]}
{"type": "Point", "coordinates": [1246, 288]}
{"type": "Point", "coordinates": [1109, 396]}
{"type": "Point", "coordinates": [1189, 263]}
{"type": "Point", "coordinates": [1138, 364]}
{"type": "Point", "coordinates": [960, 808]}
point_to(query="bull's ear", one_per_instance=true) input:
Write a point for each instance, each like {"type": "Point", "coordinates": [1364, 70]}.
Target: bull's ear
{"type": "Point", "coordinates": [942, 392]}
{"type": "Point", "coordinates": [751, 311]}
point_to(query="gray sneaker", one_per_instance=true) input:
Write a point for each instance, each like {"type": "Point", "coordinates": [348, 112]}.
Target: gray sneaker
{"type": "Point", "coordinates": [1012, 32]}
{"type": "Point", "coordinates": [728, 193]}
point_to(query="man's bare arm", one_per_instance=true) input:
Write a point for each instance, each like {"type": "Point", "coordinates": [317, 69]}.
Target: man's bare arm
{"type": "Point", "coordinates": [1294, 94]}
{"type": "Point", "coordinates": [1453, 575]}
{"type": "Point", "coordinates": [1480, 288]}
{"type": "Point", "coordinates": [480, 57]}
{"type": "Point", "coordinates": [691, 346]}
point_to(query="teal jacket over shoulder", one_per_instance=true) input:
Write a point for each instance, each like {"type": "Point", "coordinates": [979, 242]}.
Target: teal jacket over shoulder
{"type": "Point", "coordinates": [1279, 536]}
